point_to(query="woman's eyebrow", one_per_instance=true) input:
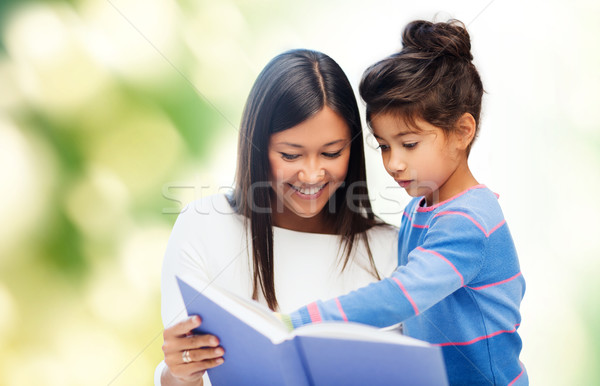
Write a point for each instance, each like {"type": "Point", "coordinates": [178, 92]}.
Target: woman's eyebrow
{"type": "Point", "coordinates": [300, 146]}
{"type": "Point", "coordinates": [333, 142]}
{"type": "Point", "coordinates": [290, 144]}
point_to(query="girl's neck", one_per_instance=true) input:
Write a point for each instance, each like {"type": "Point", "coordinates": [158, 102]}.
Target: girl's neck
{"type": "Point", "coordinates": [459, 181]}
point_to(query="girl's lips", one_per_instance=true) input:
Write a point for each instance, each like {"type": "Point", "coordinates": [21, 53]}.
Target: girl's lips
{"type": "Point", "coordinates": [404, 183]}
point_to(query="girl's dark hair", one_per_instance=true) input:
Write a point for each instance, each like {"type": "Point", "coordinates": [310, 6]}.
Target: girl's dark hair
{"type": "Point", "coordinates": [432, 77]}
{"type": "Point", "coordinates": [293, 87]}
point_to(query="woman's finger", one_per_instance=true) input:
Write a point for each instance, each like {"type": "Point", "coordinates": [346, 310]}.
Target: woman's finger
{"type": "Point", "coordinates": [208, 357]}
{"type": "Point", "coordinates": [193, 356]}
{"type": "Point", "coordinates": [177, 344]}
{"type": "Point", "coordinates": [194, 369]}
{"type": "Point", "coordinates": [205, 354]}
{"type": "Point", "coordinates": [198, 341]}
{"type": "Point", "coordinates": [183, 327]}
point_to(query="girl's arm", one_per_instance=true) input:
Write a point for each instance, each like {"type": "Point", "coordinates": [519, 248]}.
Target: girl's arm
{"type": "Point", "coordinates": [450, 256]}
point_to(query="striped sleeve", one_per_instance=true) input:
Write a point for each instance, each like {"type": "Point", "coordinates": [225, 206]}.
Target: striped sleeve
{"type": "Point", "coordinates": [450, 255]}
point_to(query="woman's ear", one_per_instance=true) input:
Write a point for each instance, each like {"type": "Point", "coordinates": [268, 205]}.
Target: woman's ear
{"type": "Point", "coordinates": [465, 131]}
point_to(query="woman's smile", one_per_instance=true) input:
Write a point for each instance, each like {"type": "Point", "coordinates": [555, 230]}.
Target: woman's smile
{"type": "Point", "coordinates": [309, 192]}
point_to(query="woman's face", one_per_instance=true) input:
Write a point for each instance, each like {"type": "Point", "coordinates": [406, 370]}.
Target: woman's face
{"type": "Point", "coordinates": [308, 163]}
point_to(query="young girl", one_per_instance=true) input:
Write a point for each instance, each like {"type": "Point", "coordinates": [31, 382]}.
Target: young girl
{"type": "Point", "coordinates": [458, 284]}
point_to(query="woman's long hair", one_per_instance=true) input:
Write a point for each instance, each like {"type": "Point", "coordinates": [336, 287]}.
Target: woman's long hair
{"type": "Point", "coordinates": [293, 87]}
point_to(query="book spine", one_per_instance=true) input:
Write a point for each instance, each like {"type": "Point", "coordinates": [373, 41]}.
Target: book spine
{"type": "Point", "coordinates": [292, 364]}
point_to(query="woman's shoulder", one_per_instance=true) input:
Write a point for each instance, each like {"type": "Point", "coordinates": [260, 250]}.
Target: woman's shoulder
{"type": "Point", "coordinates": [209, 214]}
{"type": "Point", "coordinates": [383, 231]}
{"type": "Point", "coordinates": [215, 204]}
{"type": "Point", "coordinates": [209, 207]}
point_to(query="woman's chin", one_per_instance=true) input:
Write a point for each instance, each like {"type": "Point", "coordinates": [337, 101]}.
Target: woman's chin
{"type": "Point", "coordinates": [307, 214]}
{"type": "Point", "coordinates": [307, 208]}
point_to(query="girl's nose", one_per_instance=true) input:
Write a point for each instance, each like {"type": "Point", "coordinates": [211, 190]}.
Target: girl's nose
{"type": "Point", "coordinates": [395, 165]}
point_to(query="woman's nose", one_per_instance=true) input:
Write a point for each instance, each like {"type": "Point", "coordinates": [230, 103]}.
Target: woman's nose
{"type": "Point", "coordinates": [311, 174]}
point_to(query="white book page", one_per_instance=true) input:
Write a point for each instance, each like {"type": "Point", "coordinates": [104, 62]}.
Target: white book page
{"type": "Point", "coordinates": [254, 314]}
{"type": "Point", "coordinates": [355, 331]}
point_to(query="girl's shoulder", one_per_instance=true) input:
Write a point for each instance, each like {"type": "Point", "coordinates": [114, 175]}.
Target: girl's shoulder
{"type": "Point", "coordinates": [478, 205]}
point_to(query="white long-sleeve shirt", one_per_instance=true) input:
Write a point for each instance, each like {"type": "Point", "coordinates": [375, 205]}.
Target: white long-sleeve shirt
{"type": "Point", "coordinates": [209, 240]}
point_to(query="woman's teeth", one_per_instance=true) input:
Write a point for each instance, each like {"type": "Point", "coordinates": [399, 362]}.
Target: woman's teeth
{"type": "Point", "coordinates": [308, 191]}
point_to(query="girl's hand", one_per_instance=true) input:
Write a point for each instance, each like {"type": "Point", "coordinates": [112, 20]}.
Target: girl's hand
{"type": "Point", "coordinates": [187, 355]}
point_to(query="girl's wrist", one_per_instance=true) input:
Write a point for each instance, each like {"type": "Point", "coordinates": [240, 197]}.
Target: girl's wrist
{"type": "Point", "coordinates": [286, 319]}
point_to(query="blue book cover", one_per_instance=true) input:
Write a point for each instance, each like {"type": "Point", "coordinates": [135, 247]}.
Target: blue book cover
{"type": "Point", "coordinates": [259, 350]}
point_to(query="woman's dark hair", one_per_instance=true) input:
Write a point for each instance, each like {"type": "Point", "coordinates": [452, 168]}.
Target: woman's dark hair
{"type": "Point", "coordinates": [432, 77]}
{"type": "Point", "coordinates": [293, 87]}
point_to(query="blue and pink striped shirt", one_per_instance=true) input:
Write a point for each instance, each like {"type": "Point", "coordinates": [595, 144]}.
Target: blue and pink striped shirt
{"type": "Point", "coordinates": [458, 285]}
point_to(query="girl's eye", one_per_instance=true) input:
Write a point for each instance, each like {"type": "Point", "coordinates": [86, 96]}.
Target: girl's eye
{"type": "Point", "coordinates": [333, 155]}
{"type": "Point", "coordinates": [289, 157]}
{"type": "Point", "coordinates": [410, 145]}
{"type": "Point", "coordinates": [383, 147]}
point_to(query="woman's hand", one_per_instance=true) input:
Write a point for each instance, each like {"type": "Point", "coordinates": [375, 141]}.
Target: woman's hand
{"type": "Point", "coordinates": [187, 355]}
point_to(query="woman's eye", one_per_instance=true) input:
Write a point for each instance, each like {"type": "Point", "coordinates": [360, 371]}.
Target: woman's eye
{"type": "Point", "coordinates": [289, 156]}
{"type": "Point", "coordinates": [333, 155]}
{"type": "Point", "coordinates": [410, 145]}
{"type": "Point", "coordinates": [383, 147]}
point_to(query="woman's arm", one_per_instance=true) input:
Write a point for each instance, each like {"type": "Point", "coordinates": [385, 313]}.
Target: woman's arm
{"type": "Point", "coordinates": [184, 256]}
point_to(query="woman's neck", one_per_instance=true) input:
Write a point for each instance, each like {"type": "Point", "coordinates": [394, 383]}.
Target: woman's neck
{"type": "Point", "coordinates": [321, 223]}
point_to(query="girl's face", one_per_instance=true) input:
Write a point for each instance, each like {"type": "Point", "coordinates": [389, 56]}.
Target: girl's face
{"type": "Point", "coordinates": [423, 159]}
{"type": "Point", "coordinates": [308, 163]}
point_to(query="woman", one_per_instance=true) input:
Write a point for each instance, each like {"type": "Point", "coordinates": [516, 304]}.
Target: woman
{"type": "Point", "coordinates": [299, 223]}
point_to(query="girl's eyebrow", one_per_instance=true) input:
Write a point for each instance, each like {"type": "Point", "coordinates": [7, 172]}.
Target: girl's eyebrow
{"type": "Point", "coordinates": [400, 134]}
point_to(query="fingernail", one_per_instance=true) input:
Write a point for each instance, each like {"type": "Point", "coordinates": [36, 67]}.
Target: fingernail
{"type": "Point", "coordinates": [219, 351]}
{"type": "Point", "coordinates": [196, 319]}
{"type": "Point", "coordinates": [219, 361]}
{"type": "Point", "coordinates": [214, 341]}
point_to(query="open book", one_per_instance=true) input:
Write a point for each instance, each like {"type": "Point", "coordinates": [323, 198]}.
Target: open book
{"type": "Point", "coordinates": [259, 349]}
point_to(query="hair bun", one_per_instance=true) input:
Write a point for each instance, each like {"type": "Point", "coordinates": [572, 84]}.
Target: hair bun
{"type": "Point", "coordinates": [449, 39]}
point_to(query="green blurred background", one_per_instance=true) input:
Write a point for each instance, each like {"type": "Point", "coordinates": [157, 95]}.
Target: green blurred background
{"type": "Point", "coordinates": [115, 112]}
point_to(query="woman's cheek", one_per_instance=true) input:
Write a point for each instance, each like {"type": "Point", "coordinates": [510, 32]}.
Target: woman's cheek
{"type": "Point", "coordinates": [341, 168]}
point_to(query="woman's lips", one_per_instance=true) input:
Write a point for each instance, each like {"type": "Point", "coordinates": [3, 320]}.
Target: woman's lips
{"type": "Point", "coordinates": [308, 192]}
